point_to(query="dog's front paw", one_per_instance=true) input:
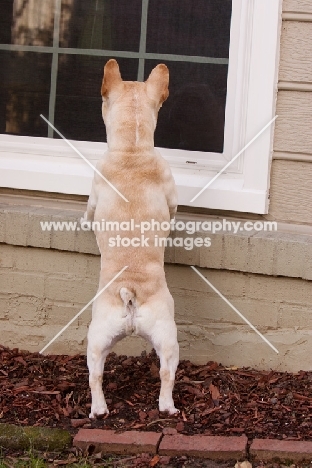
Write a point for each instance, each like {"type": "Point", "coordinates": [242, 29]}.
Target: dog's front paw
{"type": "Point", "coordinates": [98, 412]}
{"type": "Point", "coordinates": [84, 218]}
{"type": "Point", "coordinates": [85, 223]}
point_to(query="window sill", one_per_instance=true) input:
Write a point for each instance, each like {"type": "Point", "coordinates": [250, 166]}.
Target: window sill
{"type": "Point", "coordinates": [51, 166]}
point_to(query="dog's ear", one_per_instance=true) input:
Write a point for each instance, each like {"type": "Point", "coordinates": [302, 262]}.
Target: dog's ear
{"type": "Point", "coordinates": [157, 83]}
{"type": "Point", "coordinates": [111, 78]}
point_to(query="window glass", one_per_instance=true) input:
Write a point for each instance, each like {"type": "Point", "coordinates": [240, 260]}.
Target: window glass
{"type": "Point", "coordinates": [62, 77]}
{"type": "Point", "coordinates": [101, 24]}
{"type": "Point", "coordinates": [78, 105]}
{"type": "Point", "coordinates": [6, 19]}
{"type": "Point", "coordinates": [27, 22]}
{"type": "Point", "coordinates": [193, 116]}
{"type": "Point", "coordinates": [185, 27]}
{"type": "Point", "coordinates": [24, 92]}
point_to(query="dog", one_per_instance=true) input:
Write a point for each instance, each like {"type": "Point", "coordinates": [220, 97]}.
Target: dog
{"type": "Point", "coordinates": [138, 301]}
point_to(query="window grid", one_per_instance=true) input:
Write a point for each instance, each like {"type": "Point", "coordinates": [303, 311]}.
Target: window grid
{"type": "Point", "coordinates": [143, 40]}
{"type": "Point", "coordinates": [115, 53]}
{"type": "Point", "coordinates": [54, 66]}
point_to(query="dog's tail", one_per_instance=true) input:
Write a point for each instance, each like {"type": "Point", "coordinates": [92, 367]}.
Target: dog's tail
{"type": "Point", "coordinates": [127, 296]}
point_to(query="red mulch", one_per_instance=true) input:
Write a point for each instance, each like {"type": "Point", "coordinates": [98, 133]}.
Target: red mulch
{"type": "Point", "coordinates": [53, 391]}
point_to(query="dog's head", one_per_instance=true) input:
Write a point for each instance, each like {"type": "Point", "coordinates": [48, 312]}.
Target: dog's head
{"type": "Point", "coordinates": [124, 101]}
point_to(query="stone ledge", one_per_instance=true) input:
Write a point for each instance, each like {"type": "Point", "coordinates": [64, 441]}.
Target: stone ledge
{"type": "Point", "coordinates": [286, 252]}
{"type": "Point", "coordinates": [284, 450]}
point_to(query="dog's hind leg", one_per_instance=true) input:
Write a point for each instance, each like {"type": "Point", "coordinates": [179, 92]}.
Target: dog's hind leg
{"type": "Point", "coordinates": [96, 356]}
{"type": "Point", "coordinates": [163, 336]}
{"type": "Point", "coordinates": [105, 330]}
{"type": "Point", "coordinates": [169, 358]}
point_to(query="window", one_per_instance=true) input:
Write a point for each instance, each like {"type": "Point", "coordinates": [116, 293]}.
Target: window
{"type": "Point", "coordinates": [222, 58]}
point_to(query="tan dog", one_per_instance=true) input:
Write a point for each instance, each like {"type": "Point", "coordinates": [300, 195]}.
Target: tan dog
{"type": "Point", "coordinates": [138, 301]}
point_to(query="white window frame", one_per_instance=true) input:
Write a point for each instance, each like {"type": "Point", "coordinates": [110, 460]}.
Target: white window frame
{"type": "Point", "coordinates": [47, 164]}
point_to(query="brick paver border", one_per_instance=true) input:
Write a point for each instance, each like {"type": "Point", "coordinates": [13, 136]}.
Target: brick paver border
{"type": "Point", "coordinates": [128, 442]}
{"type": "Point", "coordinates": [267, 449]}
{"type": "Point", "coordinates": [132, 442]}
{"type": "Point", "coordinates": [211, 447]}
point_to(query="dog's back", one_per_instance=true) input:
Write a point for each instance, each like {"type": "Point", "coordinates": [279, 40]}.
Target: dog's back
{"type": "Point", "coordinates": [140, 173]}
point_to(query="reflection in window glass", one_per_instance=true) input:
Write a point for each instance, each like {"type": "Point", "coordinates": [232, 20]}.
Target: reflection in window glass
{"type": "Point", "coordinates": [27, 22]}
{"type": "Point", "coordinates": [101, 24]}
{"type": "Point", "coordinates": [193, 116]}
{"type": "Point", "coordinates": [24, 92]}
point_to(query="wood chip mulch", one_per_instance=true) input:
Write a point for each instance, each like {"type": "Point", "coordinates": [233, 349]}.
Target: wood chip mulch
{"type": "Point", "coordinates": [214, 400]}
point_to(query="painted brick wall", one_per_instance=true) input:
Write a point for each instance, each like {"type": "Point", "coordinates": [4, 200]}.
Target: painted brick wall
{"type": "Point", "coordinates": [42, 289]}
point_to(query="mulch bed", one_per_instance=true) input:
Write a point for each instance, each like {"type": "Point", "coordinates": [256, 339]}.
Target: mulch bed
{"type": "Point", "coordinates": [214, 400]}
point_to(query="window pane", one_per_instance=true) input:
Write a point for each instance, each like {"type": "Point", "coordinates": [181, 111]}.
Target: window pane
{"type": "Point", "coordinates": [193, 116]}
{"type": "Point", "coordinates": [101, 24]}
{"type": "Point", "coordinates": [189, 27]}
{"type": "Point", "coordinates": [78, 113]}
{"type": "Point", "coordinates": [24, 92]}
{"type": "Point", "coordinates": [27, 22]}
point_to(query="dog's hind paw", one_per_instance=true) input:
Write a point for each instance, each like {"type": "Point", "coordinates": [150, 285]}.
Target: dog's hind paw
{"type": "Point", "coordinates": [98, 412]}
{"type": "Point", "coordinates": [169, 408]}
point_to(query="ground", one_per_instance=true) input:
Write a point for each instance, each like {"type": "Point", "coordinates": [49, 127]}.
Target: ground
{"type": "Point", "coordinates": [53, 391]}
{"type": "Point", "coordinates": [71, 460]}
